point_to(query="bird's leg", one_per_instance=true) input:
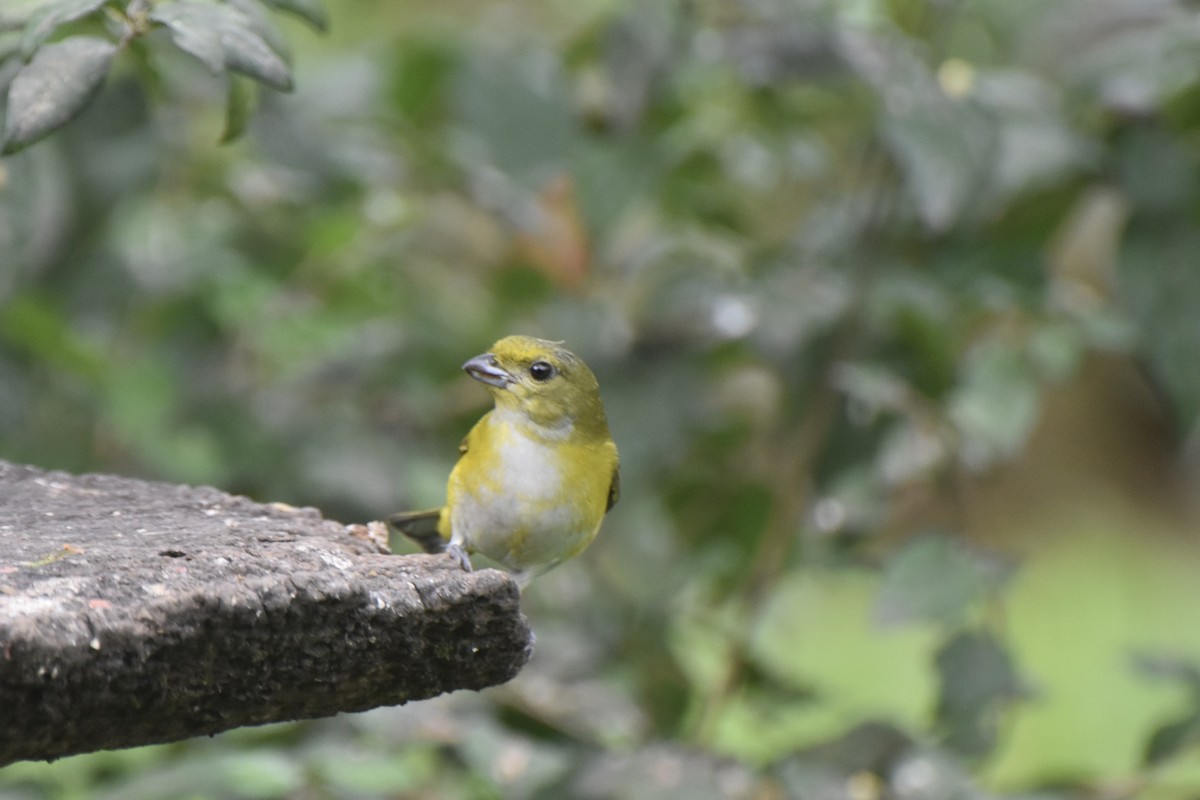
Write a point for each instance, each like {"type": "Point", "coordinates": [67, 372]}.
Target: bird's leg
{"type": "Point", "coordinates": [459, 554]}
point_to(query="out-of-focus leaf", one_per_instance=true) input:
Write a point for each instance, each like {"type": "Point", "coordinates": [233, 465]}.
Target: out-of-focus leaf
{"type": "Point", "coordinates": [261, 773]}
{"type": "Point", "coordinates": [1083, 255]}
{"type": "Point", "coordinates": [194, 30]}
{"type": "Point", "coordinates": [978, 680]}
{"type": "Point", "coordinates": [223, 37]}
{"type": "Point", "coordinates": [802, 48]}
{"type": "Point", "coordinates": [35, 326]}
{"type": "Point", "coordinates": [311, 11]}
{"type": "Point", "coordinates": [53, 87]}
{"type": "Point", "coordinates": [514, 114]}
{"type": "Point", "coordinates": [1130, 54]}
{"type": "Point", "coordinates": [1037, 145]}
{"type": "Point", "coordinates": [1170, 739]}
{"type": "Point", "coordinates": [664, 772]}
{"type": "Point", "coordinates": [1162, 291]}
{"type": "Point", "coordinates": [638, 47]}
{"type": "Point", "coordinates": [870, 747]}
{"type": "Point", "coordinates": [10, 44]}
{"type": "Point", "coordinates": [942, 150]}
{"type": "Point", "coordinates": [15, 13]}
{"type": "Point", "coordinates": [239, 105]}
{"type": "Point", "coordinates": [928, 774]}
{"type": "Point", "coordinates": [383, 773]}
{"type": "Point", "coordinates": [1152, 168]}
{"type": "Point", "coordinates": [42, 22]}
{"type": "Point", "coordinates": [945, 146]}
{"type": "Point", "coordinates": [249, 53]}
{"type": "Point", "coordinates": [263, 23]}
{"type": "Point", "coordinates": [936, 579]}
{"type": "Point", "coordinates": [996, 403]}
{"type": "Point", "coordinates": [817, 632]}
{"type": "Point", "coordinates": [520, 766]}
{"type": "Point", "coordinates": [1169, 667]}
{"type": "Point", "coordinates": [423, 74]}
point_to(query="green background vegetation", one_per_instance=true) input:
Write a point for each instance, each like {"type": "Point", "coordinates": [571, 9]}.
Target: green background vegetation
{"type": "Point", "coordinates": [894, 304]}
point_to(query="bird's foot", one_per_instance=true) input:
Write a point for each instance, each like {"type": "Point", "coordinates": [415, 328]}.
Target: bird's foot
{"type": "Point", "coordinates": [457, 552]}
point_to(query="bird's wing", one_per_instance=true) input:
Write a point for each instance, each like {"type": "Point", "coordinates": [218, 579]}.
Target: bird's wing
{"type": "Point", "coordinates": [614, 488]}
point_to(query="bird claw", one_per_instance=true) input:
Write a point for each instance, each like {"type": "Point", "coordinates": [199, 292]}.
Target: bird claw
{"type": "Point", "coordinates": [460, 555]}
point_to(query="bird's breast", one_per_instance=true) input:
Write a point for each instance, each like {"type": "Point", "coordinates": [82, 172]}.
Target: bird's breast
{"type": "Point", "coordinates": [524, 501]}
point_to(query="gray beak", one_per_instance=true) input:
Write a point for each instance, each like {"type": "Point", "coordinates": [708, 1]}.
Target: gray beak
{"type": "Point", "coordinates": [483, 369]}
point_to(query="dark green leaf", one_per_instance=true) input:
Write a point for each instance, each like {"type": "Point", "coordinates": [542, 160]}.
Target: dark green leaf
{"type": "Point", "coordinates": [978, 680]}
{"type": "Point", "coordinates": [870, 746]}
{"type": "Point", "coordinates": [224, 38]}
{"type": "Point", "coordinates": [311, 11]}
{"type": "Point", "coordinates": [1169, 668]}
{"type": "Point", "coordinates": [42, 23]}
{"type": "Point", "coordinates": [1169, 739]}
{"type": "Point", "coordinates": [239, 105]}
{"type": "Point", "coordinates": [1184, 731]}
{"type": "Point", "coordinates": [1162, 289]}
{"type": "Point", "coordinates": [936, 579]}
{"type": "Point", "coordinates": [55, 86]}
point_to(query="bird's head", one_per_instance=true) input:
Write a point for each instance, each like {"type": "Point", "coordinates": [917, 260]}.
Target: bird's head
{"type": "Point", "coordinates": [542, 382]}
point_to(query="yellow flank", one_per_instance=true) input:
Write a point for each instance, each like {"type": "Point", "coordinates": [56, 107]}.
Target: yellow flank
{"type": "Point", "coordinates": [537, 473]}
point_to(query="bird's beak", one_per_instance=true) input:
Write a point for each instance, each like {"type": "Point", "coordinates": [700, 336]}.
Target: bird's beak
{"type": "Point", "coordinates": [484, 369]}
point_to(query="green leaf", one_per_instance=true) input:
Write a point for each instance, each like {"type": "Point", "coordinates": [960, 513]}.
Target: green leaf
{"type": "Point", "coordinates": [936, 579]}
{"type": "Point", "coordinates": [1161, 289]}
{"type": "Point", "coordinates": [239, 105]}
{"type": "Point", "coordinates": [996, 403]}
{"type": "Point", "coordinates": [311, 11]}
{"type": "Point", "coordinates": [514, 116]}
{"type": "Point", "coordinates": [1183, 732]}
{"type": "Point", "coordinates": [945, 147]}
{"type": "Point", "coordinates": [1171, 739]}
{"type": "Point", "coordinates": [53, 87]}
{"type": "Point", "coordinates": [224, 38]}
{"type": "Point", "coordinates": [14, 14]}
{"type": "Point", "coordinates": [194, 31]}
{"type": "Point", "coordinates": [35, 326]}
{"type": "Point", "coordinates": [978, 679]}
{"type": "Point", "coordinates": [261, 22]}
{"type": "Point", "coordinates": [42, 23]}
{"type": "Point", "coordinates": [262, 773]}
{"type": "Point", "coordinates": [10, 43]}
{"type": "Point", "coordinates": [945, 151]}
{"type": "Point", "coordinates": [354, 772]}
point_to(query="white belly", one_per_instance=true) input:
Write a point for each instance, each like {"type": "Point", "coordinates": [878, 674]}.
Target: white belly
{"type": "Point", "coordinates": [519, 514]}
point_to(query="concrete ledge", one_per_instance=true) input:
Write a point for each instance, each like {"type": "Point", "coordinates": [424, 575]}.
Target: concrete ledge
{"type": "Point", "coordinates": [134, 613]}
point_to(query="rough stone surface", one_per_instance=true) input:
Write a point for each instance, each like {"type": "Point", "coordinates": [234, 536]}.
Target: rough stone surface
{"type": "Point", "coordinates": [135, 612]}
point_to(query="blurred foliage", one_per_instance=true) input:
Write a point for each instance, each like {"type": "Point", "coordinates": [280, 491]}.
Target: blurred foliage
{"type": "Point", "coordinates": [55, 81]}
{"type": "Point", "coordinates": [892, 304]}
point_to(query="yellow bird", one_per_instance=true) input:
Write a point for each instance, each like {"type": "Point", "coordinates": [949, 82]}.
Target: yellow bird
{"type": "Point", "coordinates": [536, 474]}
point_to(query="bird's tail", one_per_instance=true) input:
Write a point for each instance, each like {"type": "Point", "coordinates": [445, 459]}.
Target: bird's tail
{"type": "Point", "coordinates": [421, 527]}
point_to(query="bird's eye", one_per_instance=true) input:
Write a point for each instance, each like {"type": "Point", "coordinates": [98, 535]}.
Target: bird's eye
{"type": "Point", "coordinates": [541, 371]}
